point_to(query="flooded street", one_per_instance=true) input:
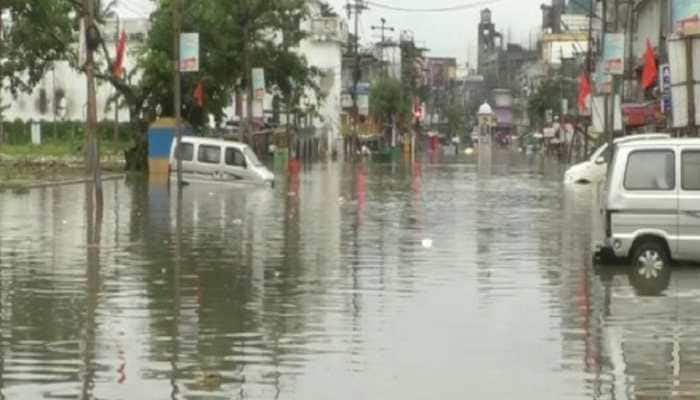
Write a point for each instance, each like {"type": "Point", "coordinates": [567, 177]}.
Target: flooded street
{"type": "Point", "coordinates": [445, 280]}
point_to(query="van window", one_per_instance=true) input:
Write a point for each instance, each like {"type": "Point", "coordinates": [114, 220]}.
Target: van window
{"type": "Point", "coordinates": [187, 152]}
{"type": "Point", "coordinates": [235, 158]}
{"type": "Point", "coordinates": [209, 154]}
{"type": "Point", "coordinates": [691, 170]}
{"type": "Point", "coordinates": [650, 170]}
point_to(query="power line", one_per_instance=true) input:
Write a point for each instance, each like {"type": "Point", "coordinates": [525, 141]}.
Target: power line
{"type": "Point", "coordinates": [427, 10]}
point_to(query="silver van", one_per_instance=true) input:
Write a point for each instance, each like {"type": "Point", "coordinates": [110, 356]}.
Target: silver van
{"type": "Point", "coordinates": [652, 207]}
{"type": "Point", "coordinates": [216, 160]}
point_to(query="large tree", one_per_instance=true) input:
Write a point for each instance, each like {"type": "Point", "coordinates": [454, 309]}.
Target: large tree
{"type": "Point", "coordinates": [234, 36]}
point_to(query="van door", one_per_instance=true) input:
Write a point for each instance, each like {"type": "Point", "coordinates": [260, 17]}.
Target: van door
{"type": "Point", "coordinates": [236, 165]}
{"type": "Point", "coordinates": [208, 161]}
{"type": "Point", "coordinates": [649, 200]}
{"type": "Point", "coordinates": [689, 205]}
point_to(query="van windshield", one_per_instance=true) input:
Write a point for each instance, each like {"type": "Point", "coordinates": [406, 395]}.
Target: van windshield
{"type": "Point", "coordinates": [603, 151]}
{"type": "Point", "coordinates": [252, 158]}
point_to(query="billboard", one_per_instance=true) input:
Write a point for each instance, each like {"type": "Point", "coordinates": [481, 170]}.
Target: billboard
{"type": "Point", "coordinates": [258, 83]}
{"type": "Point", "coordinates": [189, 52]}
{"type": "Point", "coordinates": [614, 53]}
{"type": "Point", "coordinates": [686, 16]}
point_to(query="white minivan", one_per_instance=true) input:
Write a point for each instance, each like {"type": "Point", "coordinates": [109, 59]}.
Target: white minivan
{"type": "Point", "coordinates": [593, 170]}
{"type": "Point", "coordinates": [653, 203]}
{"type": "Point", "coordinates": [217, 160]}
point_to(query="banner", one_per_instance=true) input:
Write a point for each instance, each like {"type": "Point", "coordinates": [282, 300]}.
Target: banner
{"type": "Point", "coordinates": [686, 16]}
{"type": "Point", "coordinates": [189, 52]}
{"type": "Point", "coordinates": [614, 53]}
{"type": "Point", "coordinates": [258, 83]}
{"type": "Point", "coordinates": [602, 80]}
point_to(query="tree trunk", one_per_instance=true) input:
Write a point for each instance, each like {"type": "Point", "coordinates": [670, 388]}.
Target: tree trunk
{"type": "Point", "coordinates": [136, 157]}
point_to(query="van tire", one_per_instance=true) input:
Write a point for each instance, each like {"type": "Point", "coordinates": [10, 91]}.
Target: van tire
{"type": "Point", "coordinates": [650, 266]}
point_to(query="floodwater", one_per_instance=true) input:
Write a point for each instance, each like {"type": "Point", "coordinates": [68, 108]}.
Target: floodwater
{"type": "Point", "coordinates": [452, 279]}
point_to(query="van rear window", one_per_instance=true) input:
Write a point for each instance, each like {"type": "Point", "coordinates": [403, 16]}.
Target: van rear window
{"type": "Point", "coordinates": [651, 170]}
{"type": "Point", "coordinates": [187, 152]}
{"type": "Point", "coordinates": [691, 170]}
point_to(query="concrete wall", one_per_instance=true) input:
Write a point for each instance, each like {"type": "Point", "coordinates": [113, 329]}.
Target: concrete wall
{"type": "Point", "coordinates": [652, 20]}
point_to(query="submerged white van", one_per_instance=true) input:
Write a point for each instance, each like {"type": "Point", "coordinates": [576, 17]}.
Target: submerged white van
{"type": "Point", "coordinates": [217, 160]}
{"type": "Point", "coordinates": [653, 203]}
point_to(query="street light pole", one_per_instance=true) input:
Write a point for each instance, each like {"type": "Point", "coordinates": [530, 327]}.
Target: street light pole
{"type": "Point", "coordinates": [177, 24]}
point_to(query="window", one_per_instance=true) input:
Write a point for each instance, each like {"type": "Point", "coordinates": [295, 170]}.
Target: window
{"type": "Point", "coordinates": [651, 170]}
{"type": "Point", "coordinates": [252, 157]}
{"type": "Point", "coordinates": [235, 158]}
{"type": "Point", "coordinates": [209, 154]}
{"type": "Point", "coordinates": [187, 152]}
{"type": "Point", "coordinates": [691, 170]}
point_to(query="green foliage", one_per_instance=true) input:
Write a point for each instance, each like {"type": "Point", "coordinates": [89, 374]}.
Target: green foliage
{"type": "Point", "coordinates": [39, 34]}
{"type": "Point", "coordinates": [19, 132]}
{"type": "Point", "coordinates": [386, 100]}
{"type": "Point", "coordinates": [456, 119]}
{"type": "Point", "coordinates": [232, 35]}
{"type": "Point", "coordinates": [548, 97]}
{"type": "Point", "coordinates": [264, 31]}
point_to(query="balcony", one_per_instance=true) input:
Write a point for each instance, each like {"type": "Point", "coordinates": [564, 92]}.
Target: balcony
{"type": "Point", "coordinates": [327, 29]}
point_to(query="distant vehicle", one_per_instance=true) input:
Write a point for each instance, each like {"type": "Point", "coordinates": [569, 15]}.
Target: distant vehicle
{"type": "Point", "coordinates": [217, 160]}
{"type": "Point", "coordinates": [652, 207]}
{"type": "Point", "coordinates": [593, 170]}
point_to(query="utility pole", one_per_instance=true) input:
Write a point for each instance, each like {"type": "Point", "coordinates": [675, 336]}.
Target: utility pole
{"type": "Point", "coordinates": [91, 139]}
{"type": "Point", "coordinates": [356, 7]}
{"type": "Point", "coordinates": [382, 45]}
{"type": "Point", "coordinates": [589, 70]}
{"type": "Point", "coordinates": [247, 73]}
{"type": "Point", "coordinates": [116, 92]}
{"type": "Point", "coordinates": [177, 91]}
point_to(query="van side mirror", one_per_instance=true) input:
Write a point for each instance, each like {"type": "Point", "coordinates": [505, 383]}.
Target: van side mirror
{"type": "Point", "coordinates": [600, 160]}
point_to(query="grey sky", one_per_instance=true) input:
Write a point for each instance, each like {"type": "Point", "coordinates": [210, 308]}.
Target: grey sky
{"type": "Point", "coordinates": [451, 34]}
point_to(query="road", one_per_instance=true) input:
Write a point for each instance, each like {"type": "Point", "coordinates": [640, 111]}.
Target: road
{"type": "Point", "coordinates": [447, 279]}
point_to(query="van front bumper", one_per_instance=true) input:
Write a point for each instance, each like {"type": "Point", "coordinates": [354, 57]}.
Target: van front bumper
{"type": "Point", "coordinates": [617, 246]}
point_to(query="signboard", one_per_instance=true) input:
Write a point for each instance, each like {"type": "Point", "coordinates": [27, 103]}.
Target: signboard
{"type": "Point", "coordinates": [614, 53]}
{"type": "Point", "coordinates": [636, 115]}
{"type": "Point", "coordinates": [603, 81]}
{"type": "Point", "coordinates": [686, 16]}
{"type": "Point", "coordinates": [665, 87]}
{"type": "Point", "coordinates": [258, 83]}
{"type": "Point", "coordinates": [189, 52]}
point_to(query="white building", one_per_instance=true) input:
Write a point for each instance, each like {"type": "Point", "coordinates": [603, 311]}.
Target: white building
{"type": "Point", "coordinates": [62, 94]}
{"type": "Point", "coordinates": [323, 49]}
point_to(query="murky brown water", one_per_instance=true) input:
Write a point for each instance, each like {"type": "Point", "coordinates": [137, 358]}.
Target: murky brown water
{"type": "Point", "coordinates": [328, 287]}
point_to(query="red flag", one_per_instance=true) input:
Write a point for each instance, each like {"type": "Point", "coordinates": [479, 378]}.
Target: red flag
{"type": "Point", "coordinates": [118, 68]}
{"type": "Point", "coordinates": [199, 94]}
{"type": "Point", "coordinates": [651, 71]}
{"type": "Point", "coordinates": [584, 91]}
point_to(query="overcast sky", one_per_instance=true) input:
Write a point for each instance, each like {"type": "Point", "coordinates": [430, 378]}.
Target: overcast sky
{"type": "Point", "coordinates": [451, 34]}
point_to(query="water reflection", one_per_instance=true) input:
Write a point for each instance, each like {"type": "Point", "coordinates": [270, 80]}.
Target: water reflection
{"type": "Point", "coordinates": [432, 280]}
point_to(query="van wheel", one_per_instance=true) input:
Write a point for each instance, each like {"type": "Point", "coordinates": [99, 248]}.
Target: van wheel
{"type": "Point", "coordinates": [651, 265]}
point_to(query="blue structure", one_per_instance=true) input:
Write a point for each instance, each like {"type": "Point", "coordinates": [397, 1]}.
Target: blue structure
{"type": "Point", "coordinates": [161, 135]}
